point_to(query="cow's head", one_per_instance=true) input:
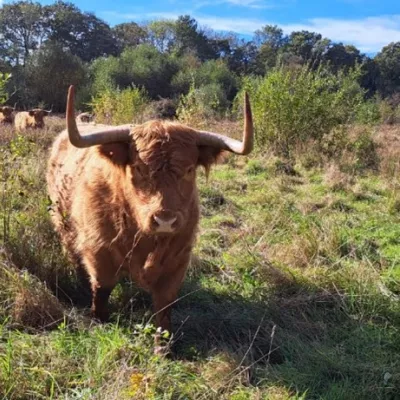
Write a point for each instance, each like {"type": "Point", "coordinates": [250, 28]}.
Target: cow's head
{"type": "Point", "coordinates": [160, 159]}
{"type": "Point", "coordinates": [85, 117]}
{"type": "Point", "coordinates": [6, 111]}
{"type": "Point", "coordinates": [38, 114]}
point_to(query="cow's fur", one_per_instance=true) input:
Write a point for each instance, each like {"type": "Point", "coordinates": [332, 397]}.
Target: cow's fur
{"type": "Point", "coordinates": [33, 119]}
{"type": "Point", "coordinates": [6, 115]}
{"type": "Point", "coordinates": [104, 200]}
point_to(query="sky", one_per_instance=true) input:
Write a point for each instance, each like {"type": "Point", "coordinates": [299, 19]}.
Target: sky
{"type": "Point", "coordinates": [368, 24]}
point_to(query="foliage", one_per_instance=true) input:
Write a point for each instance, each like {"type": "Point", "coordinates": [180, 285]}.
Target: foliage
{"type": "Point", "coordinates": [49, 72]}
{"type": "Point", "coordinates": [211, 73]}
{"type": "Point", "coordinates": [119, 106]}
{"type": "Point", "coordinates": [368, 112]}
{"type": "Point", "coordinates": [388, 61]}
{"type": "Point", "coordinates": [208, 101]}
{"type": "Point", "coordinates": [4, 78]}
{"type": "Point", "coordinates": [140, 66]}
{"type": "Point", "coordinates": [165, 56]}
{"type": "Point", "coordinates": [292, 107]}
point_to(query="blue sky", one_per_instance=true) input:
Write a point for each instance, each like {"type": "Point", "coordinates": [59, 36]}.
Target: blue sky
{"type": "Point", "coordinates": [368, 24]}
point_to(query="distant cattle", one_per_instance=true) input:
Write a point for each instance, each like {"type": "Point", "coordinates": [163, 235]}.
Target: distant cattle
{"type": "Point", "coordinates": [84, 117]}
{"type": "Point", "coordinates": [6, 116]}
{"type": "Point", "coordinates": [32, 119]}
{"type": "Point", "coordinates": [132, 203]}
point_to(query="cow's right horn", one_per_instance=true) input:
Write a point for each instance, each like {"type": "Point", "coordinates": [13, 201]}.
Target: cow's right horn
{"type": "Point", "coordinates": [113, 134]}
{"type": "Point", "coordinates": [243, 147]}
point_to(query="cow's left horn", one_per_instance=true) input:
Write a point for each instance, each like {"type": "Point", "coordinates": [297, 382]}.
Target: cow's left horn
{"type": "Point", "coordinates": [243, 147]}
{"type": "Point", "coordinates": [102, 136]}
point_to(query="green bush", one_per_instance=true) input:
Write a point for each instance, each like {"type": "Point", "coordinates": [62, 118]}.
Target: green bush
{"type": "Point", "coordinates": [119, 106]}
{"type": "Point", "coordinates": [4, 78]}
{"type": "Point", "coordinates": [208, 101]}
{"type": "Point", "coordinates": [292, 107]}
{"type": "Point", "coordinates": [213, 72]}
{"type": "Point", "coordinates": [368, 113]}
{"type": "Point", "coordinates": [141, 66]}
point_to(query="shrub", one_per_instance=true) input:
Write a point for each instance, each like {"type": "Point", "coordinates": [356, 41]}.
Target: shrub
{"type": "Point", "coordinates": [368, 113]}
{"type": "Point", "coordinates": [206, 102]}
{"type": "Point", "coordinates": [211, 74]}
{"type": "Point", "coordinates": [119, 106]}
{"type": "Point", "coordinates": [4, 78]}
{"type": "Point", "coordinates": [292, 107]}
{"type": "Point", "coordinates": [143, 66]}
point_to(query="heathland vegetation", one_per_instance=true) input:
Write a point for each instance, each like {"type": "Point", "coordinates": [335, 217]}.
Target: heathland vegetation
{"type": "Point", "coordinates": [293, 291]}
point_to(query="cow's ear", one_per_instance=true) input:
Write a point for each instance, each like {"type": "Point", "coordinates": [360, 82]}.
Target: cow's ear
{"type": "Point", "coordinates": [31, 113]}
{"type": "Point", "coordinates": [208, 156]}
{"type": "Point", "coordinates": [117, 153]}
{"type": "Point", "coordinates": [1, 109]}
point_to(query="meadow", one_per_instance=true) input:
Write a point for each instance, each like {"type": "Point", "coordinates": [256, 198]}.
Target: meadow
{"type": "Point", "coordinates": [293, 291]}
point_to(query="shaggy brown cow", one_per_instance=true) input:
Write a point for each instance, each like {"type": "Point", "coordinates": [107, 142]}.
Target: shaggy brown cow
{"type": "Point", "coordinates": [6, 116]}
{"type": "Point", "coordinates": [84, 117]}
{"type": "Point", "coordinates": [126, 203]}
{"type": "Point", "coordinates": [30, 119]}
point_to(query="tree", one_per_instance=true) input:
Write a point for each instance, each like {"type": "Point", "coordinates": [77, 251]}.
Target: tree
{"type": "Point", "coordinates": [340, 56]}
{"type": "Point", "coordinates": [129, 34]}
{"type": "Point", "coordinates": [142, 66]}
{"type": "Point", "coordinates": [188, 38]}
{"type": "Point", "coordinates": [48, 74]}
{"type": "Point", "coordinates": [161, 34]}
{"type": "Point", "coordinates": [22, 30]}
{"type": "Point", "coordinates": [83, 34]}
{"type": "Point", "coordinates": [388, 61]}
{"type": "Point", "coordinates": [303, 44]}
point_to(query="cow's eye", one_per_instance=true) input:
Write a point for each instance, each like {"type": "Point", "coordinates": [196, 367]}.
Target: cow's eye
{"type": "Point", "coordinates": [189, 173]}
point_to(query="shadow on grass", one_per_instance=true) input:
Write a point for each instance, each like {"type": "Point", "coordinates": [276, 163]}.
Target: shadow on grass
{"type": "Point", "coordinates": [299, 336]}
{"type": "Point", "coordinates": [304, 339]}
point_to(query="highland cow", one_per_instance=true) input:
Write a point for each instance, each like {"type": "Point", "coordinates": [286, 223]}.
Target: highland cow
{"type": "Point", "coordinates": [32, 119]}
{"type": "Point", "coordinates": [84, 118]}
{"type": "Point", "coordinates": [125, 201]}
{"type": "Point", "coordinates": [6, 116]}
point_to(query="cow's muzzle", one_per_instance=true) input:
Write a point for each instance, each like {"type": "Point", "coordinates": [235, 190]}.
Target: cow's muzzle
{"type": "Point", "coordinates": [165, 221]}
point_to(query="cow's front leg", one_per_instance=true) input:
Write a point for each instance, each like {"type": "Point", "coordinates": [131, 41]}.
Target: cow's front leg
{"type": "Point", "coordinates": [164, 294]}
{"type": "Point", "coordinates": [100, 296]}
{"type": "Point", "coordinates": [103, 279]}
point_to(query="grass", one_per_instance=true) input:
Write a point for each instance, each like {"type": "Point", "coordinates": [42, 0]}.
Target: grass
{"type": "Point", "coordinates": [293, 291]}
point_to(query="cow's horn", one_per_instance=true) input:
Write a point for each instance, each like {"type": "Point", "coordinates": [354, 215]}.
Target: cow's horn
{"type": "Point", "coordinates": [226, 143]}
{"type": "Point", "coordinates": [113, 134]}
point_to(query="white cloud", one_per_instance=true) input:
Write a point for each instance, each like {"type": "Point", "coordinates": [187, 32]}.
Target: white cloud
{"type": "Point", "coordinates": [368, 34]}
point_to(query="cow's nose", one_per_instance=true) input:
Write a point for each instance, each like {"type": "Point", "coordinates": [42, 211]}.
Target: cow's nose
{"type": "Point", "coordinates": [164, 221]}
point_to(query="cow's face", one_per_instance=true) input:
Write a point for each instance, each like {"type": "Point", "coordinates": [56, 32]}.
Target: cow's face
{"type": "Point", "coordinates": [38, 116]}
{"type": "Point", "coordinates": [160, 170]}
{"type": "Point", "coordinates": [6, 111]}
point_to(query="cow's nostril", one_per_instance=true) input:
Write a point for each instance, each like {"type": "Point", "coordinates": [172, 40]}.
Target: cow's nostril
{"type": "Point", "coordinates": [164, 222]}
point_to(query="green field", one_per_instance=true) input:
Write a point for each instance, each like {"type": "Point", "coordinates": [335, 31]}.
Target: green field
{"type": "Point", "coordinates": [293, 291]}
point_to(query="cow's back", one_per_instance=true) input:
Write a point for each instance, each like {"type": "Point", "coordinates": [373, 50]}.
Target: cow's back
{"type": "Point", "coordinates": [21, 120]}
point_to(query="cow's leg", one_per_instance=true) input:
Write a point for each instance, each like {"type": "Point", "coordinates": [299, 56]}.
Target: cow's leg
{"type": "Point", "coordinates": [100, 296]}
{"type": "Point", "coordinates": [164, 294]}
{"type": "Point", "coordinates": [103, 278]}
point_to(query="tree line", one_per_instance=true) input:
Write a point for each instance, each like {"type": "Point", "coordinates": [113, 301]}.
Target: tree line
{"type": "Point", "coordinates": [47, 48]}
